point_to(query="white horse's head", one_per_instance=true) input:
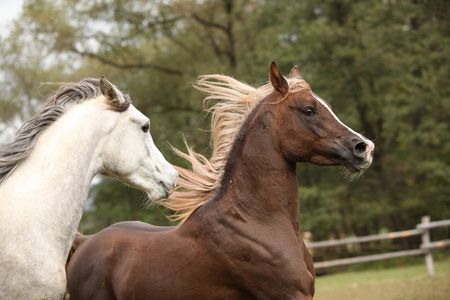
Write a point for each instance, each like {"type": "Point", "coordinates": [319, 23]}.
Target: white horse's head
{"type": "Point", "coordinates": [129, 153]}
{"type": "Point", "coordinates": [87, 127]}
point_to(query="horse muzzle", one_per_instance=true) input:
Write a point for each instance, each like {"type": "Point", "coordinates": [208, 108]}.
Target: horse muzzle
{"type": "Point", "coordinates": [363, 156]}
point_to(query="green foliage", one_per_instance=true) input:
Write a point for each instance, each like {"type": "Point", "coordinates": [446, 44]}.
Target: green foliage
{"type": "Point", "coordinates": [115, 202]}
{"type": "Point", "coordinates": [383, 65]}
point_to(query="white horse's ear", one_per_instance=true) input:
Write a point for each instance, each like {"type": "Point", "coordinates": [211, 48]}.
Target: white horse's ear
{"type": "Point", "coordinates": [295, 73]}
{"type": "Point", "coordinates": [278, 81]}
{"type": "Point", "coordinates": [107, 89]}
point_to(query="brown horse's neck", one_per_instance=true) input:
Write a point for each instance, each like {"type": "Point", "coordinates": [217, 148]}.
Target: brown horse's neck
{"type": "Point", "coordinates": [259, 182]}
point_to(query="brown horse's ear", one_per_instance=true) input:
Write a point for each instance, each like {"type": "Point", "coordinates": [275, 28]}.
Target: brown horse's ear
{"type": "Point", "coordinates": [278, 81]}
{"type": "Point", "coordinates": [295, 73]}
{"type": "Point", "coordinates": [107, 89]}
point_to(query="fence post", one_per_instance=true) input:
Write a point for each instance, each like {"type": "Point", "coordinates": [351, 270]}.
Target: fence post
{"type": "Point", "coordinates": [425, 241]}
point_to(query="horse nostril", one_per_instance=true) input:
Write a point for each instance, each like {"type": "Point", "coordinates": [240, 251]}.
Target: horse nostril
{"type": "Point", "coordinates": [360, 150]}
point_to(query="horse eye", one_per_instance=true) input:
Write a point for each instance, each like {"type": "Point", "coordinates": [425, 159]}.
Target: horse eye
{"type": "Point", "coordinates": [146, 127]}
{"type": "Point", "coordinates": [308, 112]}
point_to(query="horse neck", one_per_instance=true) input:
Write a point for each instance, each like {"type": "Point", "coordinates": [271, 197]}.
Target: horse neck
{"type": "Point", "coordinates": [50, 187]}
{"type": "Point", "coordinates": [259, 182]}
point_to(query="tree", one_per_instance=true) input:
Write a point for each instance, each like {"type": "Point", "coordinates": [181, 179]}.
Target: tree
{"type": "Point", "coordinates": [383, 65]}
{"type": "Point", "coordinates": [386, 75]}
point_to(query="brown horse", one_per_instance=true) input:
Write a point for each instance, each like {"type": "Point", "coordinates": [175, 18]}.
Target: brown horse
{"type": "Point", "coordinates": [239, 238]}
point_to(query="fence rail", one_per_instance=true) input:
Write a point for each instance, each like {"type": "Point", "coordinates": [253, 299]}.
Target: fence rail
{"type": "Point", "coordinates": [422, 229]}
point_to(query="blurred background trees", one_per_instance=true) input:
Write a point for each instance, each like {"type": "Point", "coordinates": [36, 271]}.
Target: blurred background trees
{"type": "Point", "coordinates": [383, 65]}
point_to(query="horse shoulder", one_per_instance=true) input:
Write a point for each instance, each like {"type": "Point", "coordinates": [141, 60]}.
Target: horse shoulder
{"type": "Point", "coordinates": [272, 261]}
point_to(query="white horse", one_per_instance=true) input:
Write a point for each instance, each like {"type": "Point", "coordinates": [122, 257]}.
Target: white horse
{"type": "Point", "coordinates": [46, 172]}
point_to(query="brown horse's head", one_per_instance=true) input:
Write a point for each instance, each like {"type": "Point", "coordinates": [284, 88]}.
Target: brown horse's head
{"type": "Point", "coordinates": [307, 129]}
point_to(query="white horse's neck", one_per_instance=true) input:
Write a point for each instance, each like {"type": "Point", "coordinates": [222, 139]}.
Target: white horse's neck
{"type": "Point", "coordinates": [49, 190]}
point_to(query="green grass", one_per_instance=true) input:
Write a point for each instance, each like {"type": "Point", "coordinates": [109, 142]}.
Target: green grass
{"type": "Point", "coordinates": [410, 282]}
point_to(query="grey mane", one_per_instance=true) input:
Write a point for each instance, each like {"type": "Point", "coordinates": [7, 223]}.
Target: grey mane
{"type": "Point", "coordinates": [19, 149]}
{"type": "Point", "coordinates": [75, 92]}
{"type": "Point", "coordinates": [22, 145]}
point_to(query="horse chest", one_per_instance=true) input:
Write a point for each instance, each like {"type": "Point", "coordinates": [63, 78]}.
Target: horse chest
{"type": "Point", "coordinates": [276, 277]}
{"type": "Point", "coordinates": [269, 267]}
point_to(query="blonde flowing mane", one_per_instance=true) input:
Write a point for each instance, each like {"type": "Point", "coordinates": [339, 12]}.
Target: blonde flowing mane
{"type": "Point", "coordinates": [235, 101]}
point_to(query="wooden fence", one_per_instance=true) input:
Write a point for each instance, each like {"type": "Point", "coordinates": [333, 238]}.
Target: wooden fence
{"type": "Point", "coordinates": [422, 229]}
